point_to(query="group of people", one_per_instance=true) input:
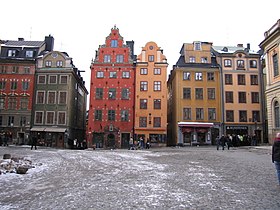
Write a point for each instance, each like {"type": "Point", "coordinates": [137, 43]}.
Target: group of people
{"type": "Point", "coordinates": [140, 144]}
{"type": "Point", "coordinates": [235, 141]}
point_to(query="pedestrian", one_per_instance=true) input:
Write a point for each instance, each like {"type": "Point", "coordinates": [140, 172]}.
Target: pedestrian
{"type": "Point", "coordinates": [148, 144]}
{"type": "Point", "coordinates": [276, 155]}
{"type": "Point", "coordinates": [254, 140]}
{"type": "Point", "coordinates": [223, 141]}
{"type": "Point", "coordinates": [218, 142]}
{"type": "Point", "coordinates": [34, 142]}
{"type": "Point", "coordinates": [75, 143]}
{"type": "Point", "coordinates": [131, 146]}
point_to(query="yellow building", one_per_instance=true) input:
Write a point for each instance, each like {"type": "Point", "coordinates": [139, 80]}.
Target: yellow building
{"type": "Point", "coordinates": [270, 46]}
{"type": "Point", "coordinates": [194, 98]}
{"type": "Point", "coordinates": [151, 95]}
{"type": "Point", "coordinates": [242, 92]}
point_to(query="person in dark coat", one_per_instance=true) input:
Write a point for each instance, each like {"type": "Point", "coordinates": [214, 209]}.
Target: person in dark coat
{"type": "Point", "coordinates": [276, 155]}
{"type": "Point", "coordinates": [34, 142]}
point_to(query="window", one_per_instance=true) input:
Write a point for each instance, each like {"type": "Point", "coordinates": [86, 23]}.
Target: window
{"type": "Point", "coordinates": [157, 122]}
{"type": "Point", "coordinates": [253, 64]}
{"type": "Point", "coordinates": [114, 43]}
{"type": "Point", "coordinates": [113, 74]}
{"type": "Point", "coordinates": [2, 103]}
{"type": "Point", "coordinates": [255, 97]}
{"type": "Point", "coordinates": [242, 97]}
{"type": "Point", "coordinates": [22, 121]}
{"type": "Point", "coordinates": [3, 69]}
{"type": "Point", "coordinates": [275, 65]}
{"type": "Point", "coordinates": [143, 103]}
{"type": "Point", "coordinates": [229, 97]}
{"type": "Point", "coordinates": [112, 93]}
{"type": "Point", "coordinates": [210, 76]}
{"type": "Point", "coordinates": [119, 59]}
{"type": "Point", "coordinates": [111, 115]}
{"type": "Point", "coordinates": [186, 75]}
{"type": "Point", "coordinates": [29, 54]}
{"type": "Point", "coordinates": [98, 115]}
{"type": "Point", "coordinates": [242, 116]}
{"type": "Point", "coordinates": [203, 59]}
{"type": "Point", "coordinates": [199, 114]}
{"type": "Point", "coordinates": [229, 115]}
{"type": "Point", "coordinates": [211, 114]}
{"type": "Point", "coordinates": [256, 116]}
{"type": "Point", "coordinates": [143, 122]}
{"type": "Point", "coordinates": [24, 103]}
{"type": "Point", "coordinates": [254, 80]}
{"type": "Point", "coordinates": [241, 79]}
{"type": "Point", "coordinates": [52, 79]}
{"type": "Point", "coordinates": [276, 114]}
{"type": "Point", "coordinates": [151, 58]}
{"type": "Point", "coordinates": [192, 59]}
{"type": "Point", "coordinates": [61, 118]}
{"type": "Point", "coordinates": [99, 93]}
{"type": "Point", "coordinates": [197, 45]}
{"type": "Point", "coordinates": [211, 93]}
{"type": "Point", "coordinates": [125, 93]}
{"type": "Point", "coordinates": [2, 84]}
{"type": "Point", "coordinates": [198, 76]}
{"type": "Point", "coordinates": [125, 74]}
{"type": "Point", "coordinates": [12, 103]}
{"type": "Point", "coordinates": [124, 115]}
{"type": "Point", "coordinates": [48, 63]}
{"type": "Point", "coordinates": [40, 97]}
{"type": "Point", "coordinates": [26, 69]}
{"type": "Point", "coordinates": [186, 93]}
{"type": "Point", "coordinates": [143, 71]}
{"type": "Point", "coordinates": [62, 97]}
{"type": "Point", "coordinates": [63, 79]}
{"type": "Point", "coordinates": [12, 53]}
{"type": "Point", "coordinates": [50, 118]}
{"type": "Point", "coordinates": [13, 85]}
{"type": "Point", "coordinates": [1, 120]}
{"type": "Point", "coordinates": [59, 63]}
{"type": "Point", "coordinates": [100, 74]}
{"type": "Point", "coordinates": [157, 86]}
{"type": "Point", "coordinates": [157, 104]}
{"type": "Point", "coordinates": [143, 86]}
{"type": "Point", "coordinates": [157, 71]}
{"type": "Point", "coordinates": [15, 69]}
{"type": "Point", "coordinates": [227, 63]}
{"type": "Point", "coordinates": [228, 79]}
{"type": "Point", "coordinates": [240, 64]}
{"type": "Point", "coordinates": [11, 120]}
{"type": "Point", "coordinates": [187, 113]}
{"type": "Point", "coordinates": [51, 97]}
{"type": "Point", "coordinates": [107, 58]}
{"type": "Point", "coordinates": [25, 85]}
{"type": "Point", "coordinates": [198, 93]}
{"type": "Point", "coordinates": [38, 117]}
{"type": "Point", "coordinates": [41, 79]}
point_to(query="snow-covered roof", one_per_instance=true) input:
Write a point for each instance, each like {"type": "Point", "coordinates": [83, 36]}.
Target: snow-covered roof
{"type": "Point", "coordinates": [231, 49]}
{"type": "Point", "coordinates": [11, 43]}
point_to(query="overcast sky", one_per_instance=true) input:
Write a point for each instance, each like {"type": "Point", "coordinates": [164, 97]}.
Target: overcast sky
{"type": "Point", "coordinates": [79, 27]}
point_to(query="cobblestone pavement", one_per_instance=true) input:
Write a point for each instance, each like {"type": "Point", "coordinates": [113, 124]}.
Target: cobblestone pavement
{"type": "Point", "coordinates": [159, 178]}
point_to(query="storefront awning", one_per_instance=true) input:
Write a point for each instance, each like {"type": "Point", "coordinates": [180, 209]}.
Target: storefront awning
{"type": "Point", "coordinates": [40, 129]}
{"type": "Point", "coordinates": [58, 130]}
{"type": "Point", "coordinates": [195, 124]}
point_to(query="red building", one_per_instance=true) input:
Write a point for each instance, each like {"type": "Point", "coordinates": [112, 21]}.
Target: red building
{"type": "Point", "coordinates": [111, 109]}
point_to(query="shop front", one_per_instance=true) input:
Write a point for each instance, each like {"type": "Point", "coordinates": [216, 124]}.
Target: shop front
{"type": "Point", "coordinates": [194, 133]}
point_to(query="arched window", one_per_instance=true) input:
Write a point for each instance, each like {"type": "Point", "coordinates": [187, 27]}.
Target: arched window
{"type": "Point", "coordinates": [276, 114]}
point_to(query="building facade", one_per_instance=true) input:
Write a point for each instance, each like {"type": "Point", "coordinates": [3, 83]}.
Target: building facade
{"type": "Point", "coordinates": [271, 51]}
{"type": "Point", "coordinates": [151, 96]}
{"type": "Point", "coordinates": [60, 97]}
{"type": "Point", "coordinates": [242, 91]}
{"type": "Point", "coordinates": [194, 97]}
{"type": "Point", "coordinates": [111, 107]}
{"type": "Point", "coordinates": [17, 76]}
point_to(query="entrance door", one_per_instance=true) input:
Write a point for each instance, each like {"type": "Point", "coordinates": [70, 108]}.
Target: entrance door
{"type": "Point", "coordinates": [125, 140]}
{"type": "Point", "coordinates": [111, 141]}
{"type": "Point", "coordinates": [21, 138]}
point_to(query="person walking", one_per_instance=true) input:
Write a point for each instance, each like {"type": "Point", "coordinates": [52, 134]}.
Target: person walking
{"type": "Point", "coordinates": [276, 155]}
{"type": "Point", "coordinates": [218, 142]}
{"type": "Point", "coordinates": [34, 143]}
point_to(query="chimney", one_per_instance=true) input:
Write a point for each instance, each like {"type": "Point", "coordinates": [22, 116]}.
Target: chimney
{"type": "Point", "coordinates": [239, 45]}
{"type": "Point", "coordinates": [248, 46]}
{"type": "Point", "coordinates": [20, 39]}
{"type": "Point", "coordinates": [49, 40]}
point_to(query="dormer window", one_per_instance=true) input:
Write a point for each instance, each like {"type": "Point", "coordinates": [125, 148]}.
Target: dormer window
{"type": "Point", "coordinates": [192, 59]}
{"type": "Point", "coordinates": [114, 43]}
{"type": "Point", "coordinates": [48, 63]}
{"type": "Point", "coordinates": [203, 60]}
{"type": "Point", "coordinates": [197, 45]}
{"type": "Point", "coordinates": [29, 53]}
{"type": "Point", "coordinates": [12, 53]}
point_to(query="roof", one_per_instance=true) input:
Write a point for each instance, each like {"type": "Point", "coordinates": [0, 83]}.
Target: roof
{"type": "Point", "coordinates": [231, 49]}
{"type": "Point", "coordinates": [11, 43]}
{"type": "Point", "coordinates": [181, 63]}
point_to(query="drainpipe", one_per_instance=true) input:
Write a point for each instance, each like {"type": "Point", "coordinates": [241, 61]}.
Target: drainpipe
{"type": "Point", "coordinates": [222, 98]}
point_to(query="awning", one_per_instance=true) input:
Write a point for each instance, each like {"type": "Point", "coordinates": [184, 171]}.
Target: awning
{"type": "Point", "coordinates": [37, 129]}
{"type": "Point", "coordinates": [58, 130]}
{"type": "Point", "coordinates": [195, 124]}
